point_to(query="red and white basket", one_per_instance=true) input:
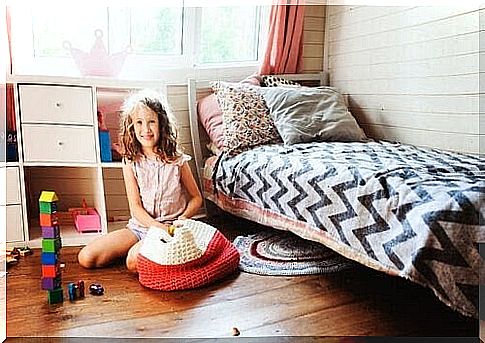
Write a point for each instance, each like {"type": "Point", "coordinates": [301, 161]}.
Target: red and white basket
{"type": "Point", "coordinates": [196, 255]}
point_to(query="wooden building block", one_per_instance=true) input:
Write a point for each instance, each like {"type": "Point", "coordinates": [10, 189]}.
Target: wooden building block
{"type": "Point", "coordinates": [49, 258]}
{"type": "Point", "coordinates": [46, 219]}
{"type": "Point", "coordinates": [51, 271]}
{"type": "Point", "coordinates": [55, 296]}
{"type": "Point", "coordinates": [48, 196]}
{"type": "Point", "coordinates": [50, 231]}
{"type": "Point", "coordinates": [47, 207]}
{"type": "Point", "coordinates": [51, 283]}
{"type": "Point", "coordinates": [51, 245]}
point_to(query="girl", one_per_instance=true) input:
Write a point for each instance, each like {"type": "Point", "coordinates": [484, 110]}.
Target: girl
{"type": "Point", "coordinates": [158, 180]}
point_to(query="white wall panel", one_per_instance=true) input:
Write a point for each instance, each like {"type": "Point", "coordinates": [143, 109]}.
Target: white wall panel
{"type": "Point", "coordinates": [411, 73]}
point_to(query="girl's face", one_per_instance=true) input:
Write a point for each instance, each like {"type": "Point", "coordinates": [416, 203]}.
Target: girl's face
{"type": "Point", "coordinates": [147, 129]}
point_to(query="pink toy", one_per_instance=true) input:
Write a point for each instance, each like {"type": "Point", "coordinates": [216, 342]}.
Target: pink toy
{"type": "Point", "coordinates": [87, 222]}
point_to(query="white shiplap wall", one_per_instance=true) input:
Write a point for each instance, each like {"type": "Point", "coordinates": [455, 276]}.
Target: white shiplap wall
{"type": "Point", "coordinates": [313, 38]}
{"type": "Point", "coordinates": [412, 73]}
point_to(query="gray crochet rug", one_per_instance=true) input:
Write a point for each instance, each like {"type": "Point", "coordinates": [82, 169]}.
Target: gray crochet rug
{"type": "Point", "coordinates": [283, 253]}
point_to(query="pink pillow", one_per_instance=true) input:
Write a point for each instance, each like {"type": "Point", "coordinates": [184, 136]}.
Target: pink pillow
{"type": "Point", "coordinates": [210, 114]}
{"type": "Point", "coordinates": [254, 80]}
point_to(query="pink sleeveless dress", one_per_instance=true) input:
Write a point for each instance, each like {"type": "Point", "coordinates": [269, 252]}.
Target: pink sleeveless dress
{"type": "Point", "coordinates": [162, 193]}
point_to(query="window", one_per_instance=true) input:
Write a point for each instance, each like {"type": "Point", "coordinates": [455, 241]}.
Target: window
{"type": "Point", "coordinates": [146, 30]}
{"type": "Point", "coordinates": [229, 34]}
{"type": "Point", "coordinates": [149, 41]}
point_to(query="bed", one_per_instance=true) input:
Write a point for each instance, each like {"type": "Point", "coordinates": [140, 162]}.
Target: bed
{"type": "Point", "coordinates": [408, 211]}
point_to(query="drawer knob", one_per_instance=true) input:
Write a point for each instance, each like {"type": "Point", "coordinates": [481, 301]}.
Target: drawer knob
{"type": "Point", "coordinates": [60, 143]}
{"type": "Point", "coordinates": [57, 104]}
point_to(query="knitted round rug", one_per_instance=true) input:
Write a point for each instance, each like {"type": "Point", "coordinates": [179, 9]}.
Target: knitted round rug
{"type": "Point", "coordinates": [284, 253]}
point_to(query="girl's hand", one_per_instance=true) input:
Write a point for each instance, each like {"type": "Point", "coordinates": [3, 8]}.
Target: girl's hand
{"type": "Point", "coordinates": [162, 234]}
{"type": "Point", "coordinates": [179, 222]}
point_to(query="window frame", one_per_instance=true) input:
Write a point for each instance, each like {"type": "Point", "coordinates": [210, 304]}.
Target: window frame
{"type": "Point", "coordinates": [167, 68]}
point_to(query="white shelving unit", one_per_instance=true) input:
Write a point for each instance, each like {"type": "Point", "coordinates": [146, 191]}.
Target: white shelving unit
{"type": "Point", "coordinates": [59, 150]}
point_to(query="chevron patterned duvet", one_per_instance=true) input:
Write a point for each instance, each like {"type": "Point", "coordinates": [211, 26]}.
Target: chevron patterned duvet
{"type": "Point", "coordinates": [413, 212]}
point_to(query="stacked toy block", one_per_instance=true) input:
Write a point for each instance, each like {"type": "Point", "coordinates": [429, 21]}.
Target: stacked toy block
{"type": "Point", "coordinates": [51, 246]}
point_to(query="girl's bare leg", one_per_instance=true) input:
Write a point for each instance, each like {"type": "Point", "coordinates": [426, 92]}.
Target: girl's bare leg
{"type": "Point", "coordinates": [107, 248]}
{"type": "Point", "coordinates": [132, 256]}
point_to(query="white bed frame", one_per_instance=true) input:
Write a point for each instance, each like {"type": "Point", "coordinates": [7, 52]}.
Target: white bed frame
{"type": "Point", "coordinates": [195, 130]}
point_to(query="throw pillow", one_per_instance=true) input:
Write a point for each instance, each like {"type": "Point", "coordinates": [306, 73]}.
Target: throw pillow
{"type": "Point", "coordinates": [210, 114]}
{"type": "Point", "coordinates": [276, 81]}
{"type": "Point", "coordinates": [247, 122]}
{"type": "Point", "coordinates": [311, 114]}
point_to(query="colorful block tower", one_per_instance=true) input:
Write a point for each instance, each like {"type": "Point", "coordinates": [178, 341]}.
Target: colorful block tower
{"type": "Point", "coordinates": [51, 246]}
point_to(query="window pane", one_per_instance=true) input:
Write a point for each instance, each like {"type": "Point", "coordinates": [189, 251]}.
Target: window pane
{"type": "Point", "coordinates": [229, 34]}
{"type": "Point", "coordinates": [53, 26]}
{"type": "Point", "coordinates": [148, 30]}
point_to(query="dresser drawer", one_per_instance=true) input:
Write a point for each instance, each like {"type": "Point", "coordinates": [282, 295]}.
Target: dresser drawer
{"type": "Point", "coordinates": [13, 186]}
{"type": "Point", "coordinates": [14, 230]}
{"type": "Point", "coordinates": [57, 143]}
{"type": "Point", "coordinates": [56, 104]}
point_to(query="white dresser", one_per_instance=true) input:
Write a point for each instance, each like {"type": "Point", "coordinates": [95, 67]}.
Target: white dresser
{"type": "Point", "coordinates": [57, 124]}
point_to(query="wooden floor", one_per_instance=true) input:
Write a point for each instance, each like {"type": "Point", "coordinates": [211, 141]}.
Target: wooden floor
{"type": "Point", "coordinates": [360, 302]}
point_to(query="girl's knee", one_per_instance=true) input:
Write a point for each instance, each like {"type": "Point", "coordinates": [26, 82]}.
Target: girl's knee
{"type": "Point", "coordinates": [106, 249]}
{"type": "Point", "coordinates": [132, 257]}
{"type": "Point", "coordinates": [86, 259]}
{"type": "Point", "coordinates": [131, 263]}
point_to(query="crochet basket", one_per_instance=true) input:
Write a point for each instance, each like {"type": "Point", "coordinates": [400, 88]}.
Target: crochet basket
{"type": "Point", "coordinates": [196, 255]}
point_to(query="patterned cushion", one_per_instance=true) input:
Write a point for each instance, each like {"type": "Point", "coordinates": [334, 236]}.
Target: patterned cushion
{"type": "Point", "coordinates": [210, 114]}
{"type": "Point", "coordinates": [276, 81]}
{"type": "Point", "coordinates": [247, 122]}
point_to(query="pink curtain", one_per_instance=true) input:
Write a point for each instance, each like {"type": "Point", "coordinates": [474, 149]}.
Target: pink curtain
{"type": "Point", "coordinates": [284, 47]}
{"type": "Point", "coordinates": [10, 108]}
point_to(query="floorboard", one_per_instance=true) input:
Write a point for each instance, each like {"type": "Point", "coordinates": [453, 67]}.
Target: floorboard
{"type": "Point", "coordinates": [357, 302]}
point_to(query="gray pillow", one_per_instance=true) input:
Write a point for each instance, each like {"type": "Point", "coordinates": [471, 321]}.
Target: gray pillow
{"type": "Point", "coordinates": [308, 114]}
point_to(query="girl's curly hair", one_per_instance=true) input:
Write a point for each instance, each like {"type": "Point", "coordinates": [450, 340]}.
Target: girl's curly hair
{"type": "Point", "coordinates": [167, 147]}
